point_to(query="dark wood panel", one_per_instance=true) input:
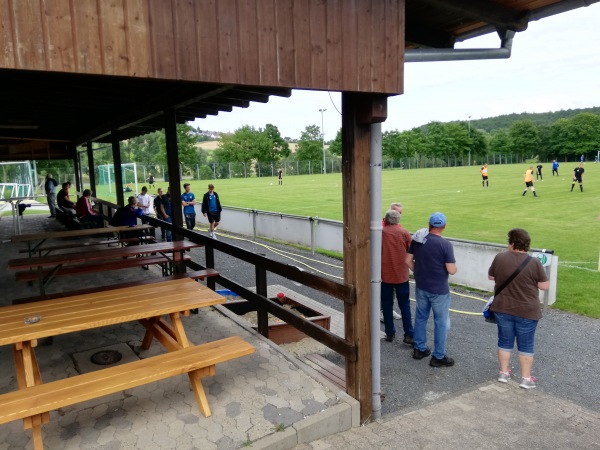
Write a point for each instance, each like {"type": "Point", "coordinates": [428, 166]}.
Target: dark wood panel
{"type": "Point", "coordinates": [7, 52]}
{"type": "Point", "coordinates": [350, 45]}
{"type": "Point", "coordinates": [267, 46]}
{"type": "Point", "coordinates": [363, 69]}
{"type": "Point", "coordinates": [208, 40]}
{"type": "Point", "coordinates": [248, 41]}
{"type": "Point", "coordinates": [394, 47]}
{"type": "Point", "coordinates": [137, 23]}
{"type": "Point", "coordinates": [303, 64]}
{"type": "Point", "coordinates": [334, 42]}
{"type": "Point", "coordinates": [185, 39]}
{"type": "Point", "coordinates": [114, 40]}
{"type": "Point", "coordinates": [229, 54]}
{"type": "Point", "coordinates": [284, 30]}
{"type": "Point", "coordinates": [318, 39]}
{"type": "Point", "coordinates": [59, 35]}
{"type": "Point", "coordinates": [88, 58]}
{"type": "Point", "coordinates": [377, 73]}
{"type": "Point", "coordinates": [163, 39]}
{"type": "Point", "coordinates": [29, 38]}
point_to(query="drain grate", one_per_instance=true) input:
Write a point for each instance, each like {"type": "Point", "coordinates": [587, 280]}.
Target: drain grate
{"type": "Point", "coordinates": [106, 357]}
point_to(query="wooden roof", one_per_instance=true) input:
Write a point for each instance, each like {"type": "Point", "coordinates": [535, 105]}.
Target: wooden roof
{"type": "Point", "coordinates": [77, 70]}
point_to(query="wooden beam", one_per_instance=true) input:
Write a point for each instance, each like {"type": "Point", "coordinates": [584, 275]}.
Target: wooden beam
{"type": "Point", "coordinates": [173, 169]}
{"type": "Point", "coordinates": [356, 139]}
{"type": "Point", "coordinates": [90, 155]}
{"type": "Point", "coordinates": [116, 153]}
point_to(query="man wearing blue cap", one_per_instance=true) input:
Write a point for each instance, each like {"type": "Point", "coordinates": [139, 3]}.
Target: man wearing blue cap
{"type": "Point", "coordinates": [431, 258]}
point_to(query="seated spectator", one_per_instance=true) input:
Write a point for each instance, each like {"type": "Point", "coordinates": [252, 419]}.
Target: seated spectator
{"type": "Point", "coordinates": [63, 199]}
{"type": "Point", "coordinates": [126, 216]}
{"type": "Point", "coordinates": [84, 211]}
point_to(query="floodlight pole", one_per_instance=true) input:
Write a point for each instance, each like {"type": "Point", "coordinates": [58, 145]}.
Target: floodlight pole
{"type": "Point", "coordinates": [323, 138]}
{"type": "Point", "coordinates": [469, 126]}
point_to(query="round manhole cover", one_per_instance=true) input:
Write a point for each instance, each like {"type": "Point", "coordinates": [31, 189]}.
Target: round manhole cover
{"type": "Point", "coordinates": [106, 357]}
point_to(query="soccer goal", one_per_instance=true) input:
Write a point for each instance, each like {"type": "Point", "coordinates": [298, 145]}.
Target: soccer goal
{"type": "Point", "coordinates": [106, 176]}
{"type": "Point", "coordinates": [16, 179]}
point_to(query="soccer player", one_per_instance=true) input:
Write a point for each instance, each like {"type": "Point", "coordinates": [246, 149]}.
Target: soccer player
{"type": "Point", "coordinates": [578, 177]}
{"type": "Point", "coordinates": [554, 167]}
{"type": "Point", "coordinates": [484, 176]}
{"type": "Point", "coordinates": [529, 181]}
{"type": "Point", "coordinates": [538, 174]}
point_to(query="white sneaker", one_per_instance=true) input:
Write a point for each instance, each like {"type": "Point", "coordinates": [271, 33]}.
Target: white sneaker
{"type": "Point", "coordinates": [397, 316]}
{"type": "Point", "coordinates": [211, 234]}
{"type": "Point", "coordinates": [381, 316]}
{"type": "Point", "coordinates": [214, 235]}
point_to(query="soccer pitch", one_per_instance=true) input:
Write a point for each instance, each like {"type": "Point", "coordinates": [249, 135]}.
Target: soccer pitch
{"type": "Point", "coordinates": [566, 222]}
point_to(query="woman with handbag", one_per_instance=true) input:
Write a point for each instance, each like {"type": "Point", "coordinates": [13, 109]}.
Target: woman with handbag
{"type": "Point", "coordinates": [516, 304]}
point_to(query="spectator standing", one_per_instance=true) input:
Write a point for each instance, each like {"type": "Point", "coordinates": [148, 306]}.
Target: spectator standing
{"type": "Point", "coordinates": [166, 208]}
{"type": "Point", "coordinates": [396, 206]}
{"type": "Point", "coordinates": [555, 167]}
{"type": "Point", "coordinates": [431, 258]}
{"type": "Point", "coordinates": [538, 174]}
{"type": "Point", "coordinates": [211, 208]}
{"type": "Point", "coordinates": [143, 201]}
{"type": "Point", "coordinates": [578, 177]}
{"type": "Point", "coordinates": [529, 181]}
{"type": "Point", "coordinates": [484, 176]}
{"type": "Point", "coordinates": [517, 307]}
{"type": "Point", "coordinates": [85, 212]}
{"type": "Point", "coordinates": [159, 210]}
{"type": "Point", "coordinates": [188, 200]}
{"type": "Point", "coordinates": [395, 242]}
{"type": "Point", "coordinates": [50, 187]}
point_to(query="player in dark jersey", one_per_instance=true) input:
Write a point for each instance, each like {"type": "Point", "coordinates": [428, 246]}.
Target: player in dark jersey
{"type": "Point", "coordinates": [578, 177]}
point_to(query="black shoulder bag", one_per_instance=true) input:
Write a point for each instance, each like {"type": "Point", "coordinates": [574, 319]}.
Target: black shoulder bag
{"type": "Point", "coordinates": [487, 312]}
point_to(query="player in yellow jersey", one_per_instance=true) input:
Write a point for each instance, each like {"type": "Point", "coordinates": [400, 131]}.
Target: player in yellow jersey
{"type": "Point", "coordinates": [484, 176]}
{"type": "Point", "coordinates": [529, 181]}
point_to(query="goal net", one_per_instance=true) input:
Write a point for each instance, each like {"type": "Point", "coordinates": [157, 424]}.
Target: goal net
{"type": "Point", "coordinates": [106, 177]}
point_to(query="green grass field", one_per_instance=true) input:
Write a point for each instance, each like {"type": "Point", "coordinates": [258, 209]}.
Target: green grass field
{"type": "Point", "coordinates": [566, 222]}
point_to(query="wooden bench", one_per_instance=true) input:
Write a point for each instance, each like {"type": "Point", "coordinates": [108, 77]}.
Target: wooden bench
{"type": "Point", "coordinates": [93, 267]}
{"type": "Point", "coordinates": [196, 275]}
{"type": "Point", "coordinates": [197, 361]}
{"type": "Point", "coordinates": [107, 242]}
{"type": "Point", "coordinates": [331, 371]}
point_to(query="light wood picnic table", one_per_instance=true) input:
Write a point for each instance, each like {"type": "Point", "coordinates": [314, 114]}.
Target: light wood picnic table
{"type": "Point", "coordinates": [173, 251]}
{"type": "Point", "coordinates": [22, 325]}
{"type": "Point", "coordinates": [88, 232]}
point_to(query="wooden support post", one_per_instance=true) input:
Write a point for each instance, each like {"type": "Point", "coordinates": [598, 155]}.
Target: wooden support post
{"type": "Point", "coordinates": [77, 169]}
{"type": "Point", "coordinates": [359, 111]}
{"type": "Point", "coordinates": [90, 155]}
{"type": "Point", "coordinates": [262, 315]}
{"type": "Point", "coordinates": [116, 154]}
{"type": "Point", "coordinates": [173, 169]}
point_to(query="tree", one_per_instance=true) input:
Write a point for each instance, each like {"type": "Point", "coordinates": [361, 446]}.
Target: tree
{"type": "Point", "coordinates": [310, 146]}
{"type": "Point", "coordinates": [186, 145]}
{"type": "Point", "coordinates": [500, 142]}
{"type": "Point", "coordinates": [239, 146]}
{"type": "Point", "coordinates": [525, 138]}
{"type": "Point", "coordinates": [335, 148]}
{"type": "Point", "coordinates": [277, 147]}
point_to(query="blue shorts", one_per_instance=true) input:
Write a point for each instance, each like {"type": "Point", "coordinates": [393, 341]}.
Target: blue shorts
{"type": "Point", "coordinates": [513, 327]}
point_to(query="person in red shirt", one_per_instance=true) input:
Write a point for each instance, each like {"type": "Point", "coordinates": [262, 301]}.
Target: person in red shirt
{"type": "Point", "coordinates": [84, 210]}
{"type": "Point", "coordinates": [395, 242]}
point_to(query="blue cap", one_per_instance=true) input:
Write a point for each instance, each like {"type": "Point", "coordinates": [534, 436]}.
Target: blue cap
{"type": "Point", "coordinates": [437, 220]}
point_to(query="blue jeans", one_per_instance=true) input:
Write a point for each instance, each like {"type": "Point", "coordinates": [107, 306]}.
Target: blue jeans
{"type": "Point", "coordinates": [511, 327]}
{"type": "Point", "coordinates": [387, 305]}
{"type": "Point", "coordinates": [439, 303]}
{"type": "Point", "coordinates": [168, 232]}
{"type": "Point", "coordinates": [190, 221]}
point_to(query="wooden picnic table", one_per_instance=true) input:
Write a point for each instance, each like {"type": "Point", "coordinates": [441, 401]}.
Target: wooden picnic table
{"type": "Point", "coordinates": [88, 232]}
{"type": "Point", "coordinates": [96, 260]}
{"type": "Point", "coordinates": [22, 325]}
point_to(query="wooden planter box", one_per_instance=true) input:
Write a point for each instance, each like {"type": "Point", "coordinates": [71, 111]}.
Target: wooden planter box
{"type": "Point", "coordinates": [281, 332]}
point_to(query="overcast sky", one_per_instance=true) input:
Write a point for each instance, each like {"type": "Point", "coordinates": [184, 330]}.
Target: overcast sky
{"type": "Point", "coordinates": [555, 64]}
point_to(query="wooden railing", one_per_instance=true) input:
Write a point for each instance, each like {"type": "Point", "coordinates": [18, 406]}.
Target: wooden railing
{"type": "Point", "coordinates": [262, 266]}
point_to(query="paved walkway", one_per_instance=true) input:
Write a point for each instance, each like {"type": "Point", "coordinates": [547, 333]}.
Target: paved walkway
{"type": "Point", "coordinates": [270, 400]}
